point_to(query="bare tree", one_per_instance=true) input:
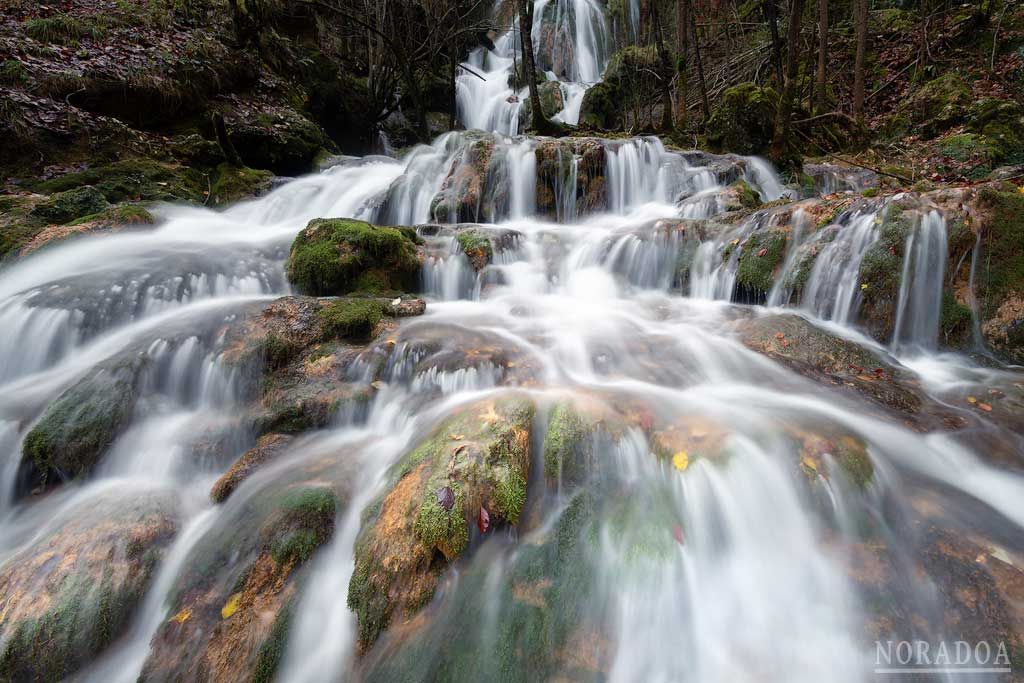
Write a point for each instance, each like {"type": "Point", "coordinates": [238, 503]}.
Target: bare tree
{"type": "Point", "coordinates": [860, 20]}
{"type": "Point", "coordinates": [780, 149]}
{"type": "Point", "coordinates": [541, 124]}
{"type": "Point", "coordinates": [819, 81]}
{"type": "Point", "coordinates": [682, 45]}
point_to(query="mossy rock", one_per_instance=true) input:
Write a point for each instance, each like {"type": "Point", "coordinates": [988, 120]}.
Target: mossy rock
{"type": "Point", "coordinates": [230, 604]}
{"type": "Point", "coordinates": [234, 183]}
{"type": "Point", "coordinates": [111, 219]}
{"type": "Point", "coordinates": [1000, 277]}
{"type": "Point", "coordinates": [74, 590]}
{"type": "Point", "coordinates": [478, 458]}
{"type": "Point", "coordinates": [881, 269]}
{"type": "Point", "coordinates": [631, 82]}
{"type": "Point", "coordinates": [934, 107]}
{"type": "Point", "coordinates": [954, 322]}
{"type": "Point", "coordinates": [280, 140]}
{"type": "Point", "coordinates": [1001, 125]}
{"type": "Point", "coordinates": [81, 424]}
{"type": "Point", "coordinates": [477, 248]}
{"type": "Point", "coordinates": [17, 224]}
{"type": "Point", "coordinates": [762, 255]}
{"type": "Point", "coordinates": [352, 318]}
{"type": "Point", "coordinates": [66, 206]}
{"type": "Point", "coordinates": [338, 256]}
{"type": "Point", "coordinates": [551, 103]}
{"type": "Point", "coordinates": [743, 120]}
{"type": "Point", "coordinates": [566, 443]}
{"type": "Point", "coordinates": [135, 179]}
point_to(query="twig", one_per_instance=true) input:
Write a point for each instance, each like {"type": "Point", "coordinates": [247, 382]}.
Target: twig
{"type": "Point", "coordinates": [466, 68]}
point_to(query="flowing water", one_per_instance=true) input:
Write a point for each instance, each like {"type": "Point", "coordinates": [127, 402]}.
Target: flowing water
{"type": "Point", "coordinates": [733, 564]}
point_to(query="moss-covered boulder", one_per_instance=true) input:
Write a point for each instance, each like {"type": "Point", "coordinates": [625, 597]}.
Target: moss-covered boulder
{"type": "Point", "coordinates": [234, 183]}
{"type": "Point", "coordinates": [278, 139]}
{"type": "Point", "coordinates": [476, 246]}
{"type": "Point", "coordinates": [550, 102]}
{"type": "Point", "coordinates": [743, 120]}
{"type": "Point", "coordinates": [338, 256]}
{"type": "Point", "coordinates": [739, 196]}
{"type": "Point", "coordinates": [231, 605]}
{"type": "Point", "coordinates": [477, 460]}
{"type": "Point", "coordinates": [74, 590]}
{"type": "Point", "coordinates": [934, 107]}
{"type": "Point", "coordinates": [17, 224]}
{"type": "Point", "coordinates": [759, 261]}
{"type": "Point", "coordinates": [70, 204]}
{"type": "Point", "coordinates": [881, 269]}
{"type": "Point", "coordinates": [629, 95]}
{"type": "Point", "coordinates": [109, 220]}
{"type": "Point", "coordinates": [1000, 123]}
{"type": "Point", "coordinates": [76, 429]}
{"type": "Point", "coordinates": [1000, 274]}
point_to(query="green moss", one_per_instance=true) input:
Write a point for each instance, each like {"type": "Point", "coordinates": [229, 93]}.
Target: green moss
{"type": "Point", "coordinates": [934, 107]}
{"type": "Point", "coordinates": [748, 196]}
{"type": "Point", "coordinates": [1002, 266]}
{"type": "Point", "coordinates": [955, 321]}
{"type": "Point", "coordinates": [278, 351]}
{"type": "Point", "coordinates": [743, 120]}
{"type": "Point", "coordinates": [81, 424]}
{"type": "Point", "coordinates": [135, 179]}
{"type": "Point", "coordinates": [234, 183]}
{"type": "Point", "coordinates": [351, 318]}
{"type": "Point", "coordinates": [510, 495]}
{"type": "Point", "coordinates": [563, 441]}
{"type": "Point", "coordinates": [475, 244]}
{"type": "Point", "coordinates": [122, 214]}
{"type": "Point", "coordinates": [436, 527]}
{"type": "Point", "coordinates": [329, 256]}
{"type": "Point", "coordinates": [272, 651]}
{"type": "Point", "coordinates": [856, 464]}
{"type": "Point", "coordinates": [870, 192]}
{"type": "Point", "coordinates": [762, 255]}
{"type": "Point", "coordinates": [66, 206]}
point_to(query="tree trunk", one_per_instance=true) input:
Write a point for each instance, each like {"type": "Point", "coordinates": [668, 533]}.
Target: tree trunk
{"type": "Point", "coordinates": [664, 77]}
{"type": "Point", "coordinates": [682, 44]}
{"type": "Point", "coordinates": [700, 68]}
{"type": "Point", "coordinates": [541, 124]}
{"type": "Point", "coordinates": [860, 20]}
{"type": "Point", "coordinates": [771, 15]}
{"type": "Point", "coordinates": [781, 149]}
{"type": "Point", "coordinates": [819, 81]}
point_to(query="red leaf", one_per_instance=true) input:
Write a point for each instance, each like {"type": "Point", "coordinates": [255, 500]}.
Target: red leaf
{"type": "Point", "coordinates": [446, 497]}
{"type": "Point", "coordinates": [483, 520]}
{"type": "Point", "coordinates": [763, 251]}
{"type": "Point", "coordinates": [677, 533]}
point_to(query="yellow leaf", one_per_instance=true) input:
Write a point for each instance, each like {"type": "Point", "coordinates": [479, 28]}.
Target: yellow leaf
{"type": "Point", "coordinates": [231, 606]}
{"type": "Point", "coordinates": [972, 400]}
{"type": "Point", "coordinates": [863, 286]}
{"type": "Point", "coordinates": [681, 461]}
{"type": "Point", "coordinates": [809, 464]}
{"type": "Point", "coordinates": [182, 616]}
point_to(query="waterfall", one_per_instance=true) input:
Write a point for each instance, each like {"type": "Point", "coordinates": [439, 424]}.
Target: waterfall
{"type": "Point", "coordinates": [833, 288]}
{"type": "Point", "coordinates": [920, 297]}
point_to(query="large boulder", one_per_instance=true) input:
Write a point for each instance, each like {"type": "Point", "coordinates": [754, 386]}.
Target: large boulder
{"type": "Point", "coordinates": [624, 97]}
{"type": "Point", "coordinates": [277, 138]}
{"type": "Point", "coordinates": [934, 107]}
{"type": "Point", "coordinates": [72, 592]}
{"type": "Point", "coordinates": [66, 206]}
{"type": "Point", "coordinates": [339, 255]}
{"type": "Point", "coordinates": [232, 603]}
{"type": "Point", "coordinates": [474, 466]}
{"type": "Point", "coordinates": [743, 120]}
{"type": "Point", "coordinates": [78, 427]}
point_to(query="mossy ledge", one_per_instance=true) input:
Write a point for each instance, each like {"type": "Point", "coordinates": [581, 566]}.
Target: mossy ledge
{"type": "Point", "coordinates": [334, 256]}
